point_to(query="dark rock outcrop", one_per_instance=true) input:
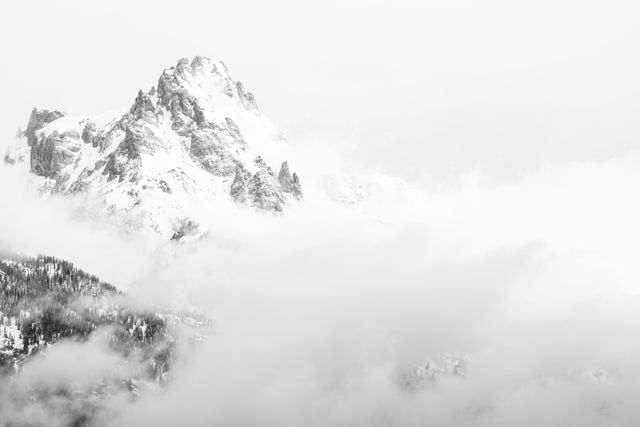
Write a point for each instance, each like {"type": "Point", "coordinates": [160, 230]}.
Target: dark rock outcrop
{"type": "Point", "coordinates": [285, 179]}
{"type": "Point", "coordinates": [289, 184]}
{"type": "Point", "coordinates": [40, 118]}
{"type": "Point", "coordinates": [246, 98]}
{"type": "Point", "coordinates": [185, 227]}
{"type": "Point", "coordinates": [264, 190]}
{"type": "Point", "coordinates": [234, 132]}
{"type": "Point", "coordinates": [51, 154]}
{"type": "Point", "coordinates": [124, 162]}
{"type": "Point", "coordinates": [212, 153]}
{"type": "Point", "coordinates": [296, 189]}
{"type": "Point", "coordinates": [240, 184]}
{"type": "Point", "coordinates": [143, 104]}
{"type": "Point", "coordinates": [89, 133]}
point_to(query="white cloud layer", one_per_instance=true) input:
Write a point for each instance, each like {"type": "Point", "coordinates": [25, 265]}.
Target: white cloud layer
{"type": "Point", "coordinates": [321, 310]}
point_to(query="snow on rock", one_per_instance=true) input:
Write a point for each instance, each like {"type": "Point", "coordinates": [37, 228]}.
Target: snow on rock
{"type": "Point", "coordinates": [197, 140]}
{"type": "Point", "coordinates": [38, 119]}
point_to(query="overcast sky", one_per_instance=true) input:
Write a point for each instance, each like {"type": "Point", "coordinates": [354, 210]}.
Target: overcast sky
{"type": "Point", "coordinates": [423, 88]}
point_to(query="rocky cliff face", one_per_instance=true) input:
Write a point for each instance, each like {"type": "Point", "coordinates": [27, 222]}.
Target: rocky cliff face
{"type": "Point", "coordinates": [198, 136]}
{"type": "Point", "coordinates": [40, 118]}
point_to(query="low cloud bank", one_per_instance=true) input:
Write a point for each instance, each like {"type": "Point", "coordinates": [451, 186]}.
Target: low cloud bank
{"type": "Point", "coordinates": [66, 227]}
{"type": "Point", "coordinates": [531, 283]}
{"type": "Point", "coordinates": [321, 312]}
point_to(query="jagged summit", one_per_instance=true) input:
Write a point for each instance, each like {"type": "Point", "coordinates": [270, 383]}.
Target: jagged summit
{"type": "Point", "coordinates": [196, 137]}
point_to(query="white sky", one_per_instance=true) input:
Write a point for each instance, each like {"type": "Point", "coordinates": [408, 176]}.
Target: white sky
{"type": "Point", "coordinates": [423, 88]}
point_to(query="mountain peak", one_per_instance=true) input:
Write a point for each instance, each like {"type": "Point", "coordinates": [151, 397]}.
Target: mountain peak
{"type": "Point", "coordinates": [202, 82]}
{"type": "Point", "coordinates": [198, 136]}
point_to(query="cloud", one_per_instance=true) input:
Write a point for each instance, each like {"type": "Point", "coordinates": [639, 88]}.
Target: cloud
{"type": "Point", "coordinates": [65, 384]}
{"type": "Point", "coordinates": [72, 364]}
{"type": "Point", "coordinates": [533, 281]}
{"type": "Point", "coordinates": [322, 310]}
{"type": "Point", "coordinates": [69, 228]}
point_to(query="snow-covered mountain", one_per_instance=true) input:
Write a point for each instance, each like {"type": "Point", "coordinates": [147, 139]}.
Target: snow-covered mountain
{"type": "Point", "coordinates": [197, 139]}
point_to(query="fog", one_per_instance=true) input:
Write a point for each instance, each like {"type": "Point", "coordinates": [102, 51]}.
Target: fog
{"type": "Point", "coordinates": [66, 227]}
{"type": "Point", "coordinates": [320, 312]}
{"type": "Point", "coordinates": [533, 283]}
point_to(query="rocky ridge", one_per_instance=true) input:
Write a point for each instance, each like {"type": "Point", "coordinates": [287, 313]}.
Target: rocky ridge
{"type": "Point", "coordinates": [197, 138]}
